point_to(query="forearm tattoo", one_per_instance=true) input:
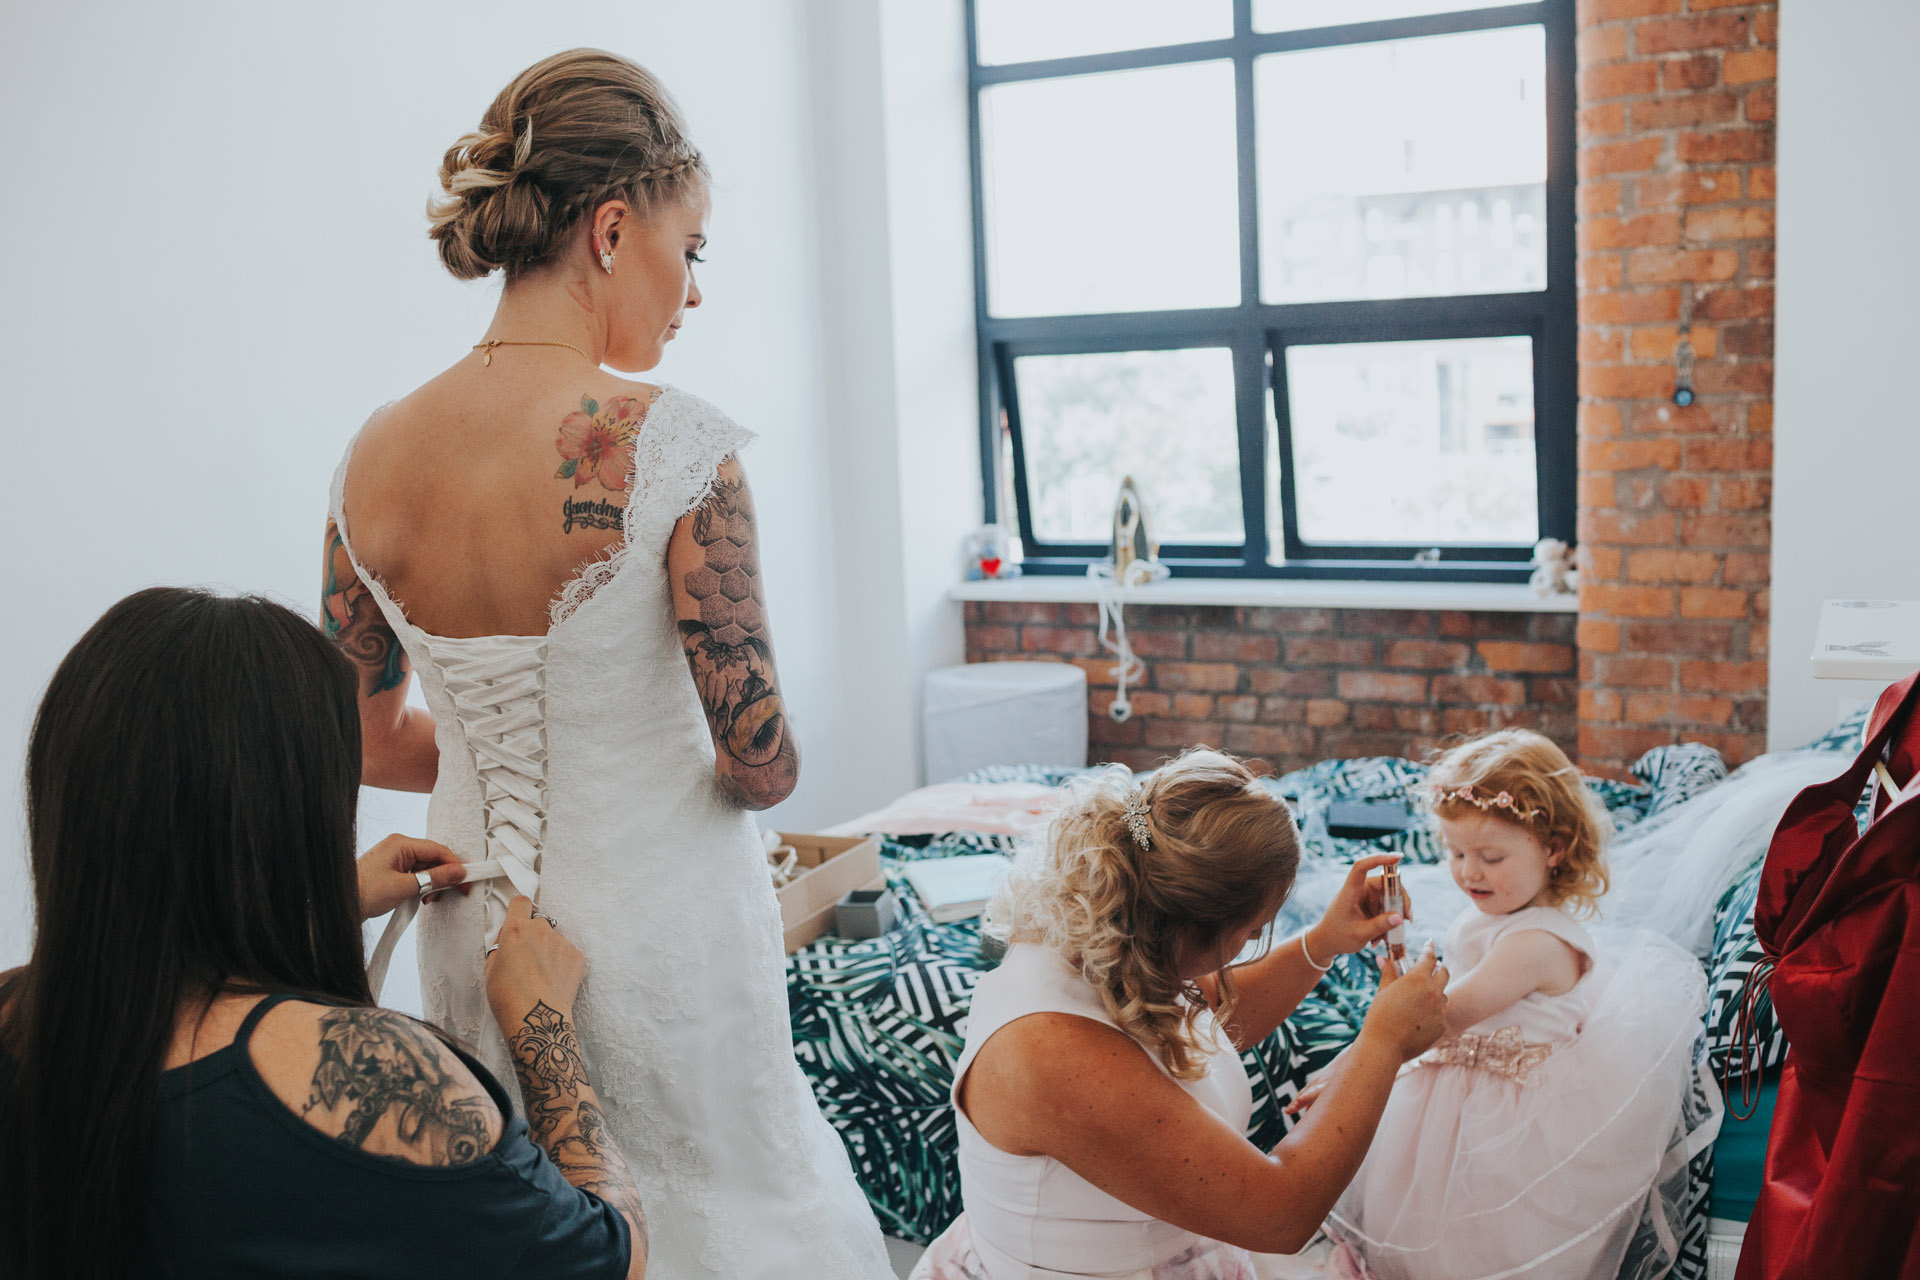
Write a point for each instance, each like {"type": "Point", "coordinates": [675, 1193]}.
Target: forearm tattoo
{"type": "Point", "coordinates": [353, 620]}
{"type": "Point", "coordinates": [565, 1118]}
{"type": "Point", "coordinates": [728, 652]}
{"type": "Point", "coordinates": [378, 1065]}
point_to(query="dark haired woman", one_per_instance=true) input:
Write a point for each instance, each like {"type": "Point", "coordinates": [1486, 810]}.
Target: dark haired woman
{"type": "Point", "coordinates": [194, 1080]}
{"type": "Point", "coordinates": [569, 561]}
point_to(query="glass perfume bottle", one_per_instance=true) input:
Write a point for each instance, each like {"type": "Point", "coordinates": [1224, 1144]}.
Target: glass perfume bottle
{"type": "Point", "coordinates": [1394, 898]}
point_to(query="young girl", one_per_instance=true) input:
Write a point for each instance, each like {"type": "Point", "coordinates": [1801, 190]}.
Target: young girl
{"type": "Point", "coordinates": [1543, 1136]}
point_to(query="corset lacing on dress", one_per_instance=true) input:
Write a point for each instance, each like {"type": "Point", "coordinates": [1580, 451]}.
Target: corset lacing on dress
{"type": "Point", "coordinates": [498, 688]}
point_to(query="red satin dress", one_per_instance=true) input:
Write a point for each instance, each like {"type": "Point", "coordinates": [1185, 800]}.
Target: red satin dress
{"type": "Point", "coordinates": [1839, 915]}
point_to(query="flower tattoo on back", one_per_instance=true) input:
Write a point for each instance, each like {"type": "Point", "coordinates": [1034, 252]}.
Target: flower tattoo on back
{"type": "Point", "coordinates": [596, 442]}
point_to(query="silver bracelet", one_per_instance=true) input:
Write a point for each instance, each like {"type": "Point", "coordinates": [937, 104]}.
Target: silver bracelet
{"type": "Point", "coordinates": [1322, 968]}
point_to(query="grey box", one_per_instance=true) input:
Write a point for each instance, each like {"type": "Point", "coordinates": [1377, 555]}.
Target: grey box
{"type": "Point", "coordinates": [866, 913]}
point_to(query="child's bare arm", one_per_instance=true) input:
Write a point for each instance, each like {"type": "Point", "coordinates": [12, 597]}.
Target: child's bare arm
{"type": "Point", "coordinates": [1519, 964]}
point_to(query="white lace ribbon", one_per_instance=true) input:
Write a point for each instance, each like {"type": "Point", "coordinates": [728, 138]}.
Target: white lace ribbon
{"type": "Point", "coordinates": [402, 918]}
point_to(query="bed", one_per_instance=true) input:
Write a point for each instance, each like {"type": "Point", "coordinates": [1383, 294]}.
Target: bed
{"type": "Point", "coordinates": [877, 1024]}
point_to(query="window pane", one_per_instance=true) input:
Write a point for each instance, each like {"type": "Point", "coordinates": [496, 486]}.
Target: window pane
{"type": "Point", "coordinates": [1027, 30]}
{"type": "Point", "coordinates": [1111, 192]}
{"type": "Point", "coordinates": [1404, 168]}
{"type": "Point", "coordinates": [1415, 443]}
{"type": "Point", "coordinates": [1163, 417]}
{"type": "Point", "coordinates": [1298, 15]}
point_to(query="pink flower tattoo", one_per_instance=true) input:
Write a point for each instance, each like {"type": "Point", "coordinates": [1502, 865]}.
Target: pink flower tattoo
{"type": "Point", "coordinates": [595, 442]}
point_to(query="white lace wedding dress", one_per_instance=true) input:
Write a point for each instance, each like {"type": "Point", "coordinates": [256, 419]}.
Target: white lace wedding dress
{"type": "Point", "coordinates": [577, 767]}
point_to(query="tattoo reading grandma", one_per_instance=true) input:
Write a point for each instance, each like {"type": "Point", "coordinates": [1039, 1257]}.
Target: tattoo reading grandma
{"type": "Point", "coordinates": [595, 513]}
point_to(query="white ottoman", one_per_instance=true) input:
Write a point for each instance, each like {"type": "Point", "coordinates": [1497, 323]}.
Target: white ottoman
{"type": "Point", "coordinates": [1004, 713]}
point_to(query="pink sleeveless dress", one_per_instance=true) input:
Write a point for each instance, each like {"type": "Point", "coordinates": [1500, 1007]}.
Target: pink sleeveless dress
{"type": "Point", "coordinates": [1548, 1140]}
{"type": "Point", "coordinates": [1031, 1217]}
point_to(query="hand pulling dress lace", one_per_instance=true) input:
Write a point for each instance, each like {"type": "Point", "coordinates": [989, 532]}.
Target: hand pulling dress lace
{"type": "Point", "coordinates": [576, 767]}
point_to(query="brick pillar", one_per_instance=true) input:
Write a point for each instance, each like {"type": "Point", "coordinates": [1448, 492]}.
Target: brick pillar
{"type": "Point", "coordinates": [1676, 200]}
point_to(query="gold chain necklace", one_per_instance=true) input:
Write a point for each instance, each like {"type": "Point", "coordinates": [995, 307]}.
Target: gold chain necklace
{"type": "Point", "coordinates": [488, 347]}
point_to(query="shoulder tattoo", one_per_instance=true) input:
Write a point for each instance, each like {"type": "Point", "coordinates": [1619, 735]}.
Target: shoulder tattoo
{"type": "Point", "coordinates": [377, 1066]}
{"type": "Point", "coordinates": [596, 446]}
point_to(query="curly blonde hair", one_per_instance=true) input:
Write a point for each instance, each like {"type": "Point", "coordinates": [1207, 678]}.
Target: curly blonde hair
{"type": "Point", "coordinates": [1544, 794]}
{"type": "Point", "coordinates": [1220, 851]}
{"type": "Point", "coordinates": [568, 134]}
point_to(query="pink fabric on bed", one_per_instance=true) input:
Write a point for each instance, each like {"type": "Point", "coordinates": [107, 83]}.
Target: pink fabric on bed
{"type": "Point", "coordinates": [1003, 808]}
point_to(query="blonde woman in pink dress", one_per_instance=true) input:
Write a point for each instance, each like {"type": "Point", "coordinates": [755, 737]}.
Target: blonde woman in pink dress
{"type": "Point", "coordinates": [1545, 1135]}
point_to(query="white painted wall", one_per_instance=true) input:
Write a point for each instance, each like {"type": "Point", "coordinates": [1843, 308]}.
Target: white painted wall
{"type": "Point", "coordinates": [214, 266]}
{"type": "Point", "coordinates": [936, 379]}
{"type": "Point", "coordinates": [891, 102]}
{"type": "Point", "coordinates": [1847, 417]}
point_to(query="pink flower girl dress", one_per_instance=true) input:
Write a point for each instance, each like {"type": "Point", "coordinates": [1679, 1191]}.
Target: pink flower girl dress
{"type": "Point", "coordinates": [1552, 1138]}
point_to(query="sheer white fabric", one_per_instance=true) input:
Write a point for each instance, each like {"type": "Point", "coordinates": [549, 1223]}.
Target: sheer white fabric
{"type": "Point", "coordinates": [1669, 871]}
{"type": "Point", "coordinates": [579, 764]}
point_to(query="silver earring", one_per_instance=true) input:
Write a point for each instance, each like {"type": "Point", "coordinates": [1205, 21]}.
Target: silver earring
{"type": "Point", "coordinates": [606, 261]}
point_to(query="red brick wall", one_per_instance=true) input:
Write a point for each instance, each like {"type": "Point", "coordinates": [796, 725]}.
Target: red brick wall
{"type": "Point", "coordinates": [1293, 686]}
{"type": "Point", "coordinates": [1676, 222]}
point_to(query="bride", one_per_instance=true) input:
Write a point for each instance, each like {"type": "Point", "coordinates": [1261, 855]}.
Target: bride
{"type": "Point", "coordinates": [569, 561]}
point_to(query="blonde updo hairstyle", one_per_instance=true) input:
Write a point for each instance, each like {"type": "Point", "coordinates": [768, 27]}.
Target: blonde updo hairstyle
{"type": "Point", "coordinates": [1535, 775]}
{"type": "Point", "coordinates": [568, 134]}
{"type": "Point", "coordinates": [1221, 852]}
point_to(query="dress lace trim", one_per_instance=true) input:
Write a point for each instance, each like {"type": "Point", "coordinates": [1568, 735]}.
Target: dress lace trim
{"type": "Point", "coordinates": [674, 460]}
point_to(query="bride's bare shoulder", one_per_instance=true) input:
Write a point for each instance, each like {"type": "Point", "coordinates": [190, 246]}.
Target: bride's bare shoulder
{"type": "Point", "coordinates": [462, 399]}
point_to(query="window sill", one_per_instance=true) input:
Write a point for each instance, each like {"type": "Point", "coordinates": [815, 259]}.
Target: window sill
{"type": "Point", "coordinates": [1284, 593]}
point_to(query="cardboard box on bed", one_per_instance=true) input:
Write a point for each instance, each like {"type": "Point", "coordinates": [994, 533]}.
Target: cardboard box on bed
{"type": "Point", "coordinates": [830, 868]}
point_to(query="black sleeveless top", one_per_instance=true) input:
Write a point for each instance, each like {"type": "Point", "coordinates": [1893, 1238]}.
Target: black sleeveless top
{"type": "Point", "coordinates": [243, 1187]}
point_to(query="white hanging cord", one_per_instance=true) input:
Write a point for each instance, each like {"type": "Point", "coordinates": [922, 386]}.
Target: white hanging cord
{"type": "Point", "coordinates": [1112, 597]}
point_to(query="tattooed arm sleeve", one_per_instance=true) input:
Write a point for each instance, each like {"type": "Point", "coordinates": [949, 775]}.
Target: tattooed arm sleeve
{"type": "Point", "coordinates": [713, 561]}
{"type": "Point", "coordinates": [563, 1113]}
{"type": "Point", "coordinates": [397, 746]}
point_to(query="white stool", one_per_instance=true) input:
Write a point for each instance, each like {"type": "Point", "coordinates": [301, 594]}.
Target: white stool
{"type": "Point", "coordinates": [1004, 713]}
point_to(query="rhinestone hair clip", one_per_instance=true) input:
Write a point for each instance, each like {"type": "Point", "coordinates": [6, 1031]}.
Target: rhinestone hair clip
{"type": "Point", "coordinates": [1135, 810]}
{"type": "Point", "coordinates": [1437, 796]}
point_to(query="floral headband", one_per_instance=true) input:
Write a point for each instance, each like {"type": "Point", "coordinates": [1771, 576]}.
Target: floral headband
{"type": "Point", "coordinates": [1135, 811]}
{"type": "Point", "coordinates": [1438, 795]}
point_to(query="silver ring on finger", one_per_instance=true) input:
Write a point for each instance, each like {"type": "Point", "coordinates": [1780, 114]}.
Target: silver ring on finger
{"type": "Point", "coordinates": [425, 882]}
{"type": "Point", "coordinates": [541, 915]}
{"type": "Point", "coordinates": [491, 948]}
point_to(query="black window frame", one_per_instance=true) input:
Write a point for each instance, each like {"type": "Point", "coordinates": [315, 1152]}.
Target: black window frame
{"type": "Point", "coordinates": [1258, 333]}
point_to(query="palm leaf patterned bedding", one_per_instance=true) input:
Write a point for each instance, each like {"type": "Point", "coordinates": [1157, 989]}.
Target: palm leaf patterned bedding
{"type": "Point", "coordinates": [878, 1024]}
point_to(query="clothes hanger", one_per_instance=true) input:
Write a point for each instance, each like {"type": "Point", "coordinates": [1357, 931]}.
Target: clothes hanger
{"type": "Point", "coordinates": [1895, 792]}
